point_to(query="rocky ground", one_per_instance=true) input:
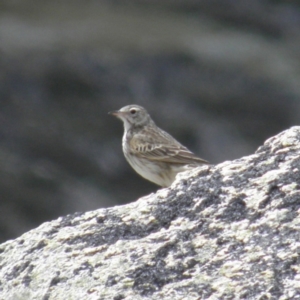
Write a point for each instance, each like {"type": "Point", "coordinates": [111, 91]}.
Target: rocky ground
{"type": "Point", "coordinates": [229, 231]}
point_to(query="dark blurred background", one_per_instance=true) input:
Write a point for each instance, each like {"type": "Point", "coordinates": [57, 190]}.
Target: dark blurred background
{"type": "Point", "coordinates": [219, 75]}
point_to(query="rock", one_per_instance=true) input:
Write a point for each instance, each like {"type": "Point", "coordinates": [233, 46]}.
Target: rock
{"type": "Point", "coordinates": [229, 231]}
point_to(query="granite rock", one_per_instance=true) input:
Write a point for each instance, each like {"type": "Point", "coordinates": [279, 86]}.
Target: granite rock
{"type": "Point", "coordinates": [229, 231]}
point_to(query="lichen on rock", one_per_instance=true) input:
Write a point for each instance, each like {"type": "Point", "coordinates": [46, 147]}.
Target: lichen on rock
{"type": "Point", "coordinates": [229, 231]}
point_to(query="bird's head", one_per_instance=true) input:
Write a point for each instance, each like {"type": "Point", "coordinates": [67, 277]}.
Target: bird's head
{"type": "Point", "coordinates": [132, 116]}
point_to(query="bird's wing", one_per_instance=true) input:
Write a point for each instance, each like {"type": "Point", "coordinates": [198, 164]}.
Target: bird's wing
{"type": "Point", "coordinates": [164, 148]}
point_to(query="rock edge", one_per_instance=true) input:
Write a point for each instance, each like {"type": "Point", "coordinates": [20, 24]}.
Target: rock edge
{"type": "Point", "coordinates": [229, 231]}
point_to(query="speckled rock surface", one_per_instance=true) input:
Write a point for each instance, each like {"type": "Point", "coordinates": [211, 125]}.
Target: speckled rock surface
{"type": "Point", "coordinates": [229, 231]}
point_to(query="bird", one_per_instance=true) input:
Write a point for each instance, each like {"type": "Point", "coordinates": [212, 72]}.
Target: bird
{"type": "Point", "coordinates": [153, 153]}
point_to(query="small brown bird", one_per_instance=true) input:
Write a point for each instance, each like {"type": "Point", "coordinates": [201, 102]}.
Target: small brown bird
{"type": "Point", "coordinates": [152, 152]}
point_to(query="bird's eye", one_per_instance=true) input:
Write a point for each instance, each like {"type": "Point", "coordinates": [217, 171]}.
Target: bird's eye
{"type": "Point", "coordinates": [133, 111]}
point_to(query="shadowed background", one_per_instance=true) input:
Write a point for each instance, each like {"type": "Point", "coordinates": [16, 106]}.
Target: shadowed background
{"type": "Point", "coordinates": [221, 76]}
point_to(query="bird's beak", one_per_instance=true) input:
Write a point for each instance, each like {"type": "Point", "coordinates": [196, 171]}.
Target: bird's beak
{"type": "Point", "coordinates": [114, 113]}
{"type": "Point", "coordinates": [118, 114]}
